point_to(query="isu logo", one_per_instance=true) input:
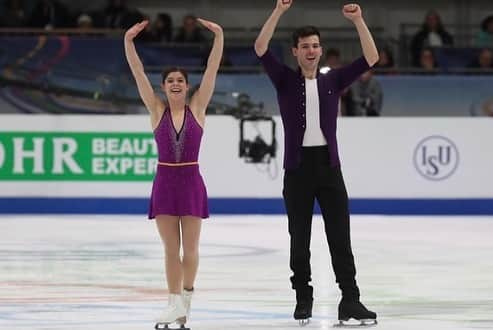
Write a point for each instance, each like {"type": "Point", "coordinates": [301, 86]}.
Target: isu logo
{"type": "Point", "coordinates": [436, 158]}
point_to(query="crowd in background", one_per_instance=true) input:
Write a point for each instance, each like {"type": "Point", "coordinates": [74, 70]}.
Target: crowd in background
{"type": "Point", "coordinates": [363, 98]}
{"type": "Point", "coordinates": [50, 14]}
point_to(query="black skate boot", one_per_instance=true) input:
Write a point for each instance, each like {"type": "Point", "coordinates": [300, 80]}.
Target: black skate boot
{"type": "Point", "coordinates": [354, 309]}
{"type": "Point", "coordinates": [304, 305]}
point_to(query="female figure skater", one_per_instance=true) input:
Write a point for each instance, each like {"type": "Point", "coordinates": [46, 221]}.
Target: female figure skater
{"type": "Point", "coordinates": [179, 197]}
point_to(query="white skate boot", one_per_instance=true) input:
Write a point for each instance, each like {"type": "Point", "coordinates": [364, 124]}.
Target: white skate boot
{"type": "Point", "coordinates": [175, 312]}
{"type": "Point", "coordinates": [187, 301]}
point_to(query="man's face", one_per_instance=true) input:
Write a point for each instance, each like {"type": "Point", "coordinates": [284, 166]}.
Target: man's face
{"type": "Point", "coordinates": [189, 24]}
{"type": "Point", "coordinates": [486, 58]}
{"type": "Point", "coordinates": [432, 21]}
{"type": "Point", "coordinates": [308, 52]}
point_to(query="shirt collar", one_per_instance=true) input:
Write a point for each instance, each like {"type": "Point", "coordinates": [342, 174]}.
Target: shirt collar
{"type": "Point", "coordinates": [300, 74]}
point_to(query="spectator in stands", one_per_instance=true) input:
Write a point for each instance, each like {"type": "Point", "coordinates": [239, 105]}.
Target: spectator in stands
{"type": "Point", "coordinates": [385, 64]}
{"type": "Point", "coordinates": [84, 22]}
{"type": "Point", "coordinates": [159, 31]}
{"type": "Point", "coordinates": [163, 27]}
{"type": "Point", "coordinates": [427, 60]}
{"type": "Point", "coordinates": [132, 17]}
{"type": "Point", "coordinates": [485, 36]}
{"type": "Point", "coordinates": [147, 34]}
{"type": "Point", "coordinates": [14, 14]}
{"type": "Point", "coordinates": [365, 97]}
{"type": "Point", "coordinates": [114, 14]}
{"type": "Point", "coordinates": [482, 104]}
{"type": "Point", "coordinates": [431, 34]}
{"type": "Point", "coordinates": [333, 58]}
{"type": "Point", "coordinates": [386, 59]}
{"type": "Point", "coordinates": [190, 32]}
{"type": "Point", "coordinates": [49, 14]}
{"type": "Point", "coordinates": [484, 60]}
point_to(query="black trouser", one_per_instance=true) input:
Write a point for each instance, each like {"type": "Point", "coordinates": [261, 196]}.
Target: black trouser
{"type": "Point", "coordinates": [315, 178]}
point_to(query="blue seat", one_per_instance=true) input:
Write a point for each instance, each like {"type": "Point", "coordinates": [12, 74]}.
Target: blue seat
{"type": "Point", "coordinates": [449, 58]}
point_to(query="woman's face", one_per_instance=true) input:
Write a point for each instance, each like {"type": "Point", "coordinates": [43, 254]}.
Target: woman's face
{"type": "Point", "coordinates": [175, 86]}
{"type": "Point", "coordinates": [384, 59]}
{"type": "Point", "coordinates": [427, 59]}
{"type": "Point", "coordinates": [432, 21]}
{"type": "Point", "coordinates": [486, 58]}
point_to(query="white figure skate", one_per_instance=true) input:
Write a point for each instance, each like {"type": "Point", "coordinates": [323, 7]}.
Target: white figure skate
{"type": "Point", "coordinates": [187, 302]}
{"type": "Point", "coordinates": [174, 313]}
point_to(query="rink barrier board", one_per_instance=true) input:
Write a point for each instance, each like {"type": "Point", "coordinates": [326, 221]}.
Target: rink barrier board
{"type": "Point", "coordinates": [244, 206]}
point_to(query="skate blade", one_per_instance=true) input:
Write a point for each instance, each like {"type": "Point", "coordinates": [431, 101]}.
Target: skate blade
{"type": "Point", "coordinates": [166, 326]}
{"type": "Point", "coordinates": [355, 324]}
{"type": "Point", "coordinates": [304, 322]}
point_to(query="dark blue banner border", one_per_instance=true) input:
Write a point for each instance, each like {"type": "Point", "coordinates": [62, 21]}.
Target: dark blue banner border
{"type": "Point", "coordinates": [244, 206]}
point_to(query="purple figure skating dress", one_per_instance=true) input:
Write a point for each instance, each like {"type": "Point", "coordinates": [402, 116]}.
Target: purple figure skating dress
{"type": "Point", "coordinates": [178, 187]}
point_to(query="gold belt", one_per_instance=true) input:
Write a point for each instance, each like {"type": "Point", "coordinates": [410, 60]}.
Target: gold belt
{"type": "Point", "coordinates": [178, 164]}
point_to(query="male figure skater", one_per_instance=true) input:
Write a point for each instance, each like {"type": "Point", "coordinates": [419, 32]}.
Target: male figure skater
{"type": "Point", "coordinates": [308, 102]}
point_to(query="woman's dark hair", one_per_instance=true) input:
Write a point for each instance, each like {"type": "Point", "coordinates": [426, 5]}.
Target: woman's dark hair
{"type": "Point", "coordinates": [435, 13]}
{"type": "Point", "coordinates": [487, 21]}
{"type": "Point", "coordinates": [167, 71]}
{"type": "Point", "coordinates": [390, 56]}
{"type": "Point", "coordinates": [304, 32]}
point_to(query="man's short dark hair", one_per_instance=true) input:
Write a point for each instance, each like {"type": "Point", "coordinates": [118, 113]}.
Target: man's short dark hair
{"type": "Point", "coordinates": [304, 32]}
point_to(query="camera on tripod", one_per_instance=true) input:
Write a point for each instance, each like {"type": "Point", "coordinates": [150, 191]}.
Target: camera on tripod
{"type": "Point", "coordinates": [255, 150]}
